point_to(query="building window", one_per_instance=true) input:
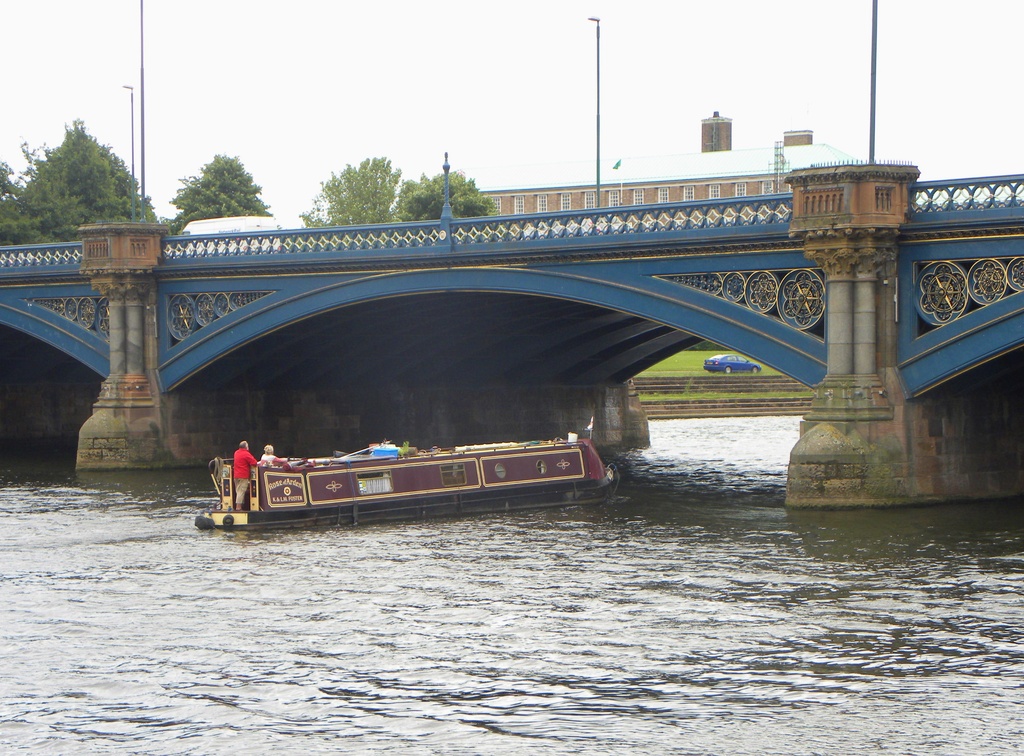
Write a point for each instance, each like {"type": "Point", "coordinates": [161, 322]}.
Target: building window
{"type": "Point", "coordinates": [638, 196]}
{"type": "Point", "coordinates": [714, 191]}
{"type": "Point", "coordinates": [588, 201]}
{"type": "Point", "coordinates": [542, 203]}
{"type": "Point", "coordinates": [518, 204]}
{"type": "Point", "coordinates": [767, 187]}
{"type": "Point", "coordinates": [662, 194]}
{"type": "Point", "coordinates": [565, 200]}
{"type": "Point", "coordinates": [687, 194]}
{"type": "Point", "coordinates": [741, 189]}
{"type": "Point", "coordinates": [614, 200]}
{"type": "Point", "coordinates": [497, 205]}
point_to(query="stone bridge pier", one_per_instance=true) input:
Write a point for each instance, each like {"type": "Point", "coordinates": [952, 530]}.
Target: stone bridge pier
{"type": "Point", "coordinates": [125, 429]}
{"type": "Point", "coordinates": [865, 443]}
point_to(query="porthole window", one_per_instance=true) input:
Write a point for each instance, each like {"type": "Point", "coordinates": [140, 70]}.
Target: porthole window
{"type": "Point", "coordinates": [542, 466]}
{"type": "Point", "coordinates": [499, 470]}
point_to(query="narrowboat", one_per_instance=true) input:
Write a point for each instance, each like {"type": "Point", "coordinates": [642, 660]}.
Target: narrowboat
{"type": "Point", "coordinates": [385, 482]}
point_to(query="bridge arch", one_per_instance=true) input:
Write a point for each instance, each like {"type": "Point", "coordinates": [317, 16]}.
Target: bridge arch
{"type": "Point", "coordinates": [46, 320]}
{"type": "Point", "coordinates": [984, 316]}
{"type": "Point", "coordinates": [611, 288]}
{"type": "Point", "coordinates": [957, 349]}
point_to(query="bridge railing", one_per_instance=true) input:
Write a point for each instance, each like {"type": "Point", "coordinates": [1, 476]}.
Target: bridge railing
{"type": "Point", "coordinates": [41, 255]}
{"type": "Point", "coordinates": [367, 238]}
{"type": "Point", "coordinates": [438, 237]}
{"type": "Point", "coordinates": [929, 201]}
{"type": "Point", "coordinates": [959, 195]}
{"type": "Point", "coordinates": [755, 210]}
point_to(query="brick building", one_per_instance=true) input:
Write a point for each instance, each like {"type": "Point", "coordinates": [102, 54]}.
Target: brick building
{"type": "Point", "coordinates": [717, 171]}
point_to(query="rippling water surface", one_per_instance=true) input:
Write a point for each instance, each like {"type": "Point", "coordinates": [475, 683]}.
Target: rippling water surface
{"type": "Point", "coordinates": [692, 615]}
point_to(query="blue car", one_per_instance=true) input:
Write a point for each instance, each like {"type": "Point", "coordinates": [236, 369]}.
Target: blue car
{"type": "Point", "coordinates": [730, 363]}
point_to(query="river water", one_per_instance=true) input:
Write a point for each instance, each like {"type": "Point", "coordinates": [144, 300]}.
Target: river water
{"type": "Point", "coordinates": [693, 614]}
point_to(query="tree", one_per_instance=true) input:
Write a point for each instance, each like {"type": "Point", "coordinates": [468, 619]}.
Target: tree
{"type": "Point", "coordinates": [15, 228]}
{"type": "Point", "coordinates": [424, 199]}
{"type": "Point", "coordinates": [223, 189]}
{"type": "Point", "coordinates": [81, 181]}
{"type": "Point", "coordinates": [366, 194]}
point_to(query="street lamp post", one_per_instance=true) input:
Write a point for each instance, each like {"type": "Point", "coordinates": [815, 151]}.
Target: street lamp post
{"type": "Point", "coordinates": [135, 191]}
{"type": "Point", "coordinates": [874, 57]}
{"type": "Point", "coordinates": [142, 104]}
{"type": "Point", "coordinates": [597, 21]}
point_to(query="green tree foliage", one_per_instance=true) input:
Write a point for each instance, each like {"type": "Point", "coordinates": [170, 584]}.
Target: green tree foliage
{"type": "Point", "coordinates": [15, 228]}
{"type": "Point", "coordinates": [366, 194]}
{"type": "Point", "coordinates": [424, 199]}
{"type": "Point", "coordinates": [223, 189]}
{"type": "Point", "coordinates": [81, 181]}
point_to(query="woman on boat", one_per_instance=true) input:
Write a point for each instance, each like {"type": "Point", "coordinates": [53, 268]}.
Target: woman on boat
{"type": "Point", "coordinates": [269, 458]}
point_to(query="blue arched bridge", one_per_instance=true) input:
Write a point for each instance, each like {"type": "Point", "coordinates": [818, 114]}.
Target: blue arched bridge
{"type": "Point", "coordinates": [585, 297]}
{"type": "Point", "coordinates": [582, 298]}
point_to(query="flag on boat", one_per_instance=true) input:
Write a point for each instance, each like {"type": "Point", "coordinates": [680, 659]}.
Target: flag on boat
{"type": "Point", "coordinates": [618, 164]}
{"type": "Point", "coordinates": [591, 426]}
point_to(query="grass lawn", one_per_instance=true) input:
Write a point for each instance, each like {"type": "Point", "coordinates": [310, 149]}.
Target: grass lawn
{"type": "Point", "coordinates": [691, 362]}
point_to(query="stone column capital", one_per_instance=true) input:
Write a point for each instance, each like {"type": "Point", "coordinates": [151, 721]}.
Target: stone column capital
{"type": "Point", "coordinates": [127, 288]}
{"type": "Point", "coordinates": [849, 253]}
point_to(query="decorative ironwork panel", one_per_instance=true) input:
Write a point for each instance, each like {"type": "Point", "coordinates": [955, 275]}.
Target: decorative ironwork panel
{"type": "Point", "coordinates": [303, 241]}
{"type": "Point", "coordinates": [985, 194]}
{"type": "Point", "coordinates": [796, 297]}
{"type": "Point", "coordinates": [949, 289]}
{"type": "Point", "coordinates": [746, 211]}
{"type": "Point", "coordinates": [41, 255]}
{"type": "Point", "coordinates": [987, 281]}
{"type": "Point", "coordinates": [188, 313]}
{"type": "Point", "coordinates": [1015, 274]}
{"type": "Point", "coordinates": [734, 285]}
{"type": "Point", "coordinates": [762, 291]}
{"type": "Point", "coordinates": [91, 313]}
{"type": "Point", "coordinates": [802, 299]}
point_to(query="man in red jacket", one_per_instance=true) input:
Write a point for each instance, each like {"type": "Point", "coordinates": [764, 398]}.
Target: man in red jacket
{"type": "Point", "coordinates": [244, 462]}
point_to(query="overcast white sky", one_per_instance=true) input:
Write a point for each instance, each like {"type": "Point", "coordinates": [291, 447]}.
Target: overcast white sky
{"type": "Point", "coordinates": [297, 89]}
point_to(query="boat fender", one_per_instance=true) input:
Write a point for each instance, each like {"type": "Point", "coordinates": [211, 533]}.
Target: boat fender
{"type": "Point", "coordinates": [229, 520]}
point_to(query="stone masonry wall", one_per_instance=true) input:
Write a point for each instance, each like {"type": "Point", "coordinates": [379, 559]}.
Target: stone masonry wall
{"type": "Point", "coordinates": [967, 446]}
{"type": "Point", "coordinates": [45, 414]}
{"type": "Point", "coordinates": [200, 425]}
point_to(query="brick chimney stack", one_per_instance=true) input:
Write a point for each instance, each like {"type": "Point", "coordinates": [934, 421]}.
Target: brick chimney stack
{"type": "Point", "coordinates": [716, 134]}
{"type": "Point", "coordinates": [797, 138]}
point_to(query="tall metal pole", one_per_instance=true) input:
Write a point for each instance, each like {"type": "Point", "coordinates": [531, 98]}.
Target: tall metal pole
{"type": "Point", "coordinates": [874, 56]}
{"type": "Point", "coordinates": [597, 21]}
{"type": "Point", "coordinates": [142, 104]}
{"type": "Point", "coordinates": [135, 189]}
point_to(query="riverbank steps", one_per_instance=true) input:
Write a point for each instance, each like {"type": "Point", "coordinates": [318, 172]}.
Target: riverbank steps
{"type": "Point", "coordinates": [661, 396]}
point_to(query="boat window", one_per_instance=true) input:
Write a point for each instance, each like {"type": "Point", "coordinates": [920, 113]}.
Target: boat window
{"type": "Point", "coordinates": [375, 482]}
{"type": "Point", "coordinates": [542, 466]}
{"type": "Point", "coordinates": [499, 470]}
{"type": "Point", "coordinates": [453, 475]}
